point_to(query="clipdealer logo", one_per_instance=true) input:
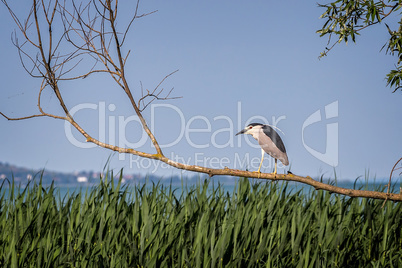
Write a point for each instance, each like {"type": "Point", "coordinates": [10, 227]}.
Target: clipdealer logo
{"type": "Point", "coordinates": [109, 125]}
{"type": "Point", "coordinates": [330, 156]}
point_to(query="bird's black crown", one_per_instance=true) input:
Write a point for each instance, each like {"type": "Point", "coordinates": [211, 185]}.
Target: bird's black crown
{"type": "Point", "coordinates": [255, 124]}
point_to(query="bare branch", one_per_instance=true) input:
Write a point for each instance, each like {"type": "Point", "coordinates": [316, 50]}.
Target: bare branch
{"type": "Point", "coordinates": [390, 177]}
{"type": "Point", "coordinates": [155, 95]}
{"type": "Point", "coordinates": [248, 174]}
{"type": "Point", "coordinates": [21, 118]}
{"type": "Point", "coordinates": [132, 20]}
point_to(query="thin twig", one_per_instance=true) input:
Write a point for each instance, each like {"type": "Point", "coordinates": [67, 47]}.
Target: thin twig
{"type": "Point", "coordinates": [389, 182]}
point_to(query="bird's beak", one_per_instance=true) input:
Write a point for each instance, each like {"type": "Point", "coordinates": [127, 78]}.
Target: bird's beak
{"type": "Point", "coordinates": [241, 132]}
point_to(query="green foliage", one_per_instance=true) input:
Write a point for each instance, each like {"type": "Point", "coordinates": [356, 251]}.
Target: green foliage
{"type": "Point", "coordinates": [259, 224]}
{"type": "Point", "coordinates": [346, 18]}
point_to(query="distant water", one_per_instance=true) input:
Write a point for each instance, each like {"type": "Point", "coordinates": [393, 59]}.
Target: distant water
{"type": "Point", "coordinates": [73, 189]}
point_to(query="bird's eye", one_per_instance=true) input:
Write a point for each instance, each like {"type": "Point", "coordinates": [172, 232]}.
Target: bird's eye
{"type": "Point", "coordinates": [250, 127]}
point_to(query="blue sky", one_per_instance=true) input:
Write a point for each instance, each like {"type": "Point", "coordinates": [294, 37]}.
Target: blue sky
{"type": "Point", "coordinates": [237, 63]}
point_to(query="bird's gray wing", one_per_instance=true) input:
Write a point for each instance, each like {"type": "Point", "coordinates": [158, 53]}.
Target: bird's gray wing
{"type": "Point", "coordinates": [274, 136]}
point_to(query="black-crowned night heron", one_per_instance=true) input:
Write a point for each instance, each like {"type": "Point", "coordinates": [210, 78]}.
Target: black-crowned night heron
{"type": "Point", "coordinates": [269, 140]}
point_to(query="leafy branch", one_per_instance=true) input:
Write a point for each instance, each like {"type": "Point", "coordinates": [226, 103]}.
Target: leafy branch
{"type": "Point", "coordinates": [345, 19]}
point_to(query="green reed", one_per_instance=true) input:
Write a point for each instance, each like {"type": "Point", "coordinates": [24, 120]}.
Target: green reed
{"type": "Point", "coordinates": [258, 225]}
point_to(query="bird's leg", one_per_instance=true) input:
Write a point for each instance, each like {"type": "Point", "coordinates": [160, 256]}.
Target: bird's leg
{"type": "Point", "coordinates": [276, 160]}
{"type": "Point", "coordinates": [262, 158]}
